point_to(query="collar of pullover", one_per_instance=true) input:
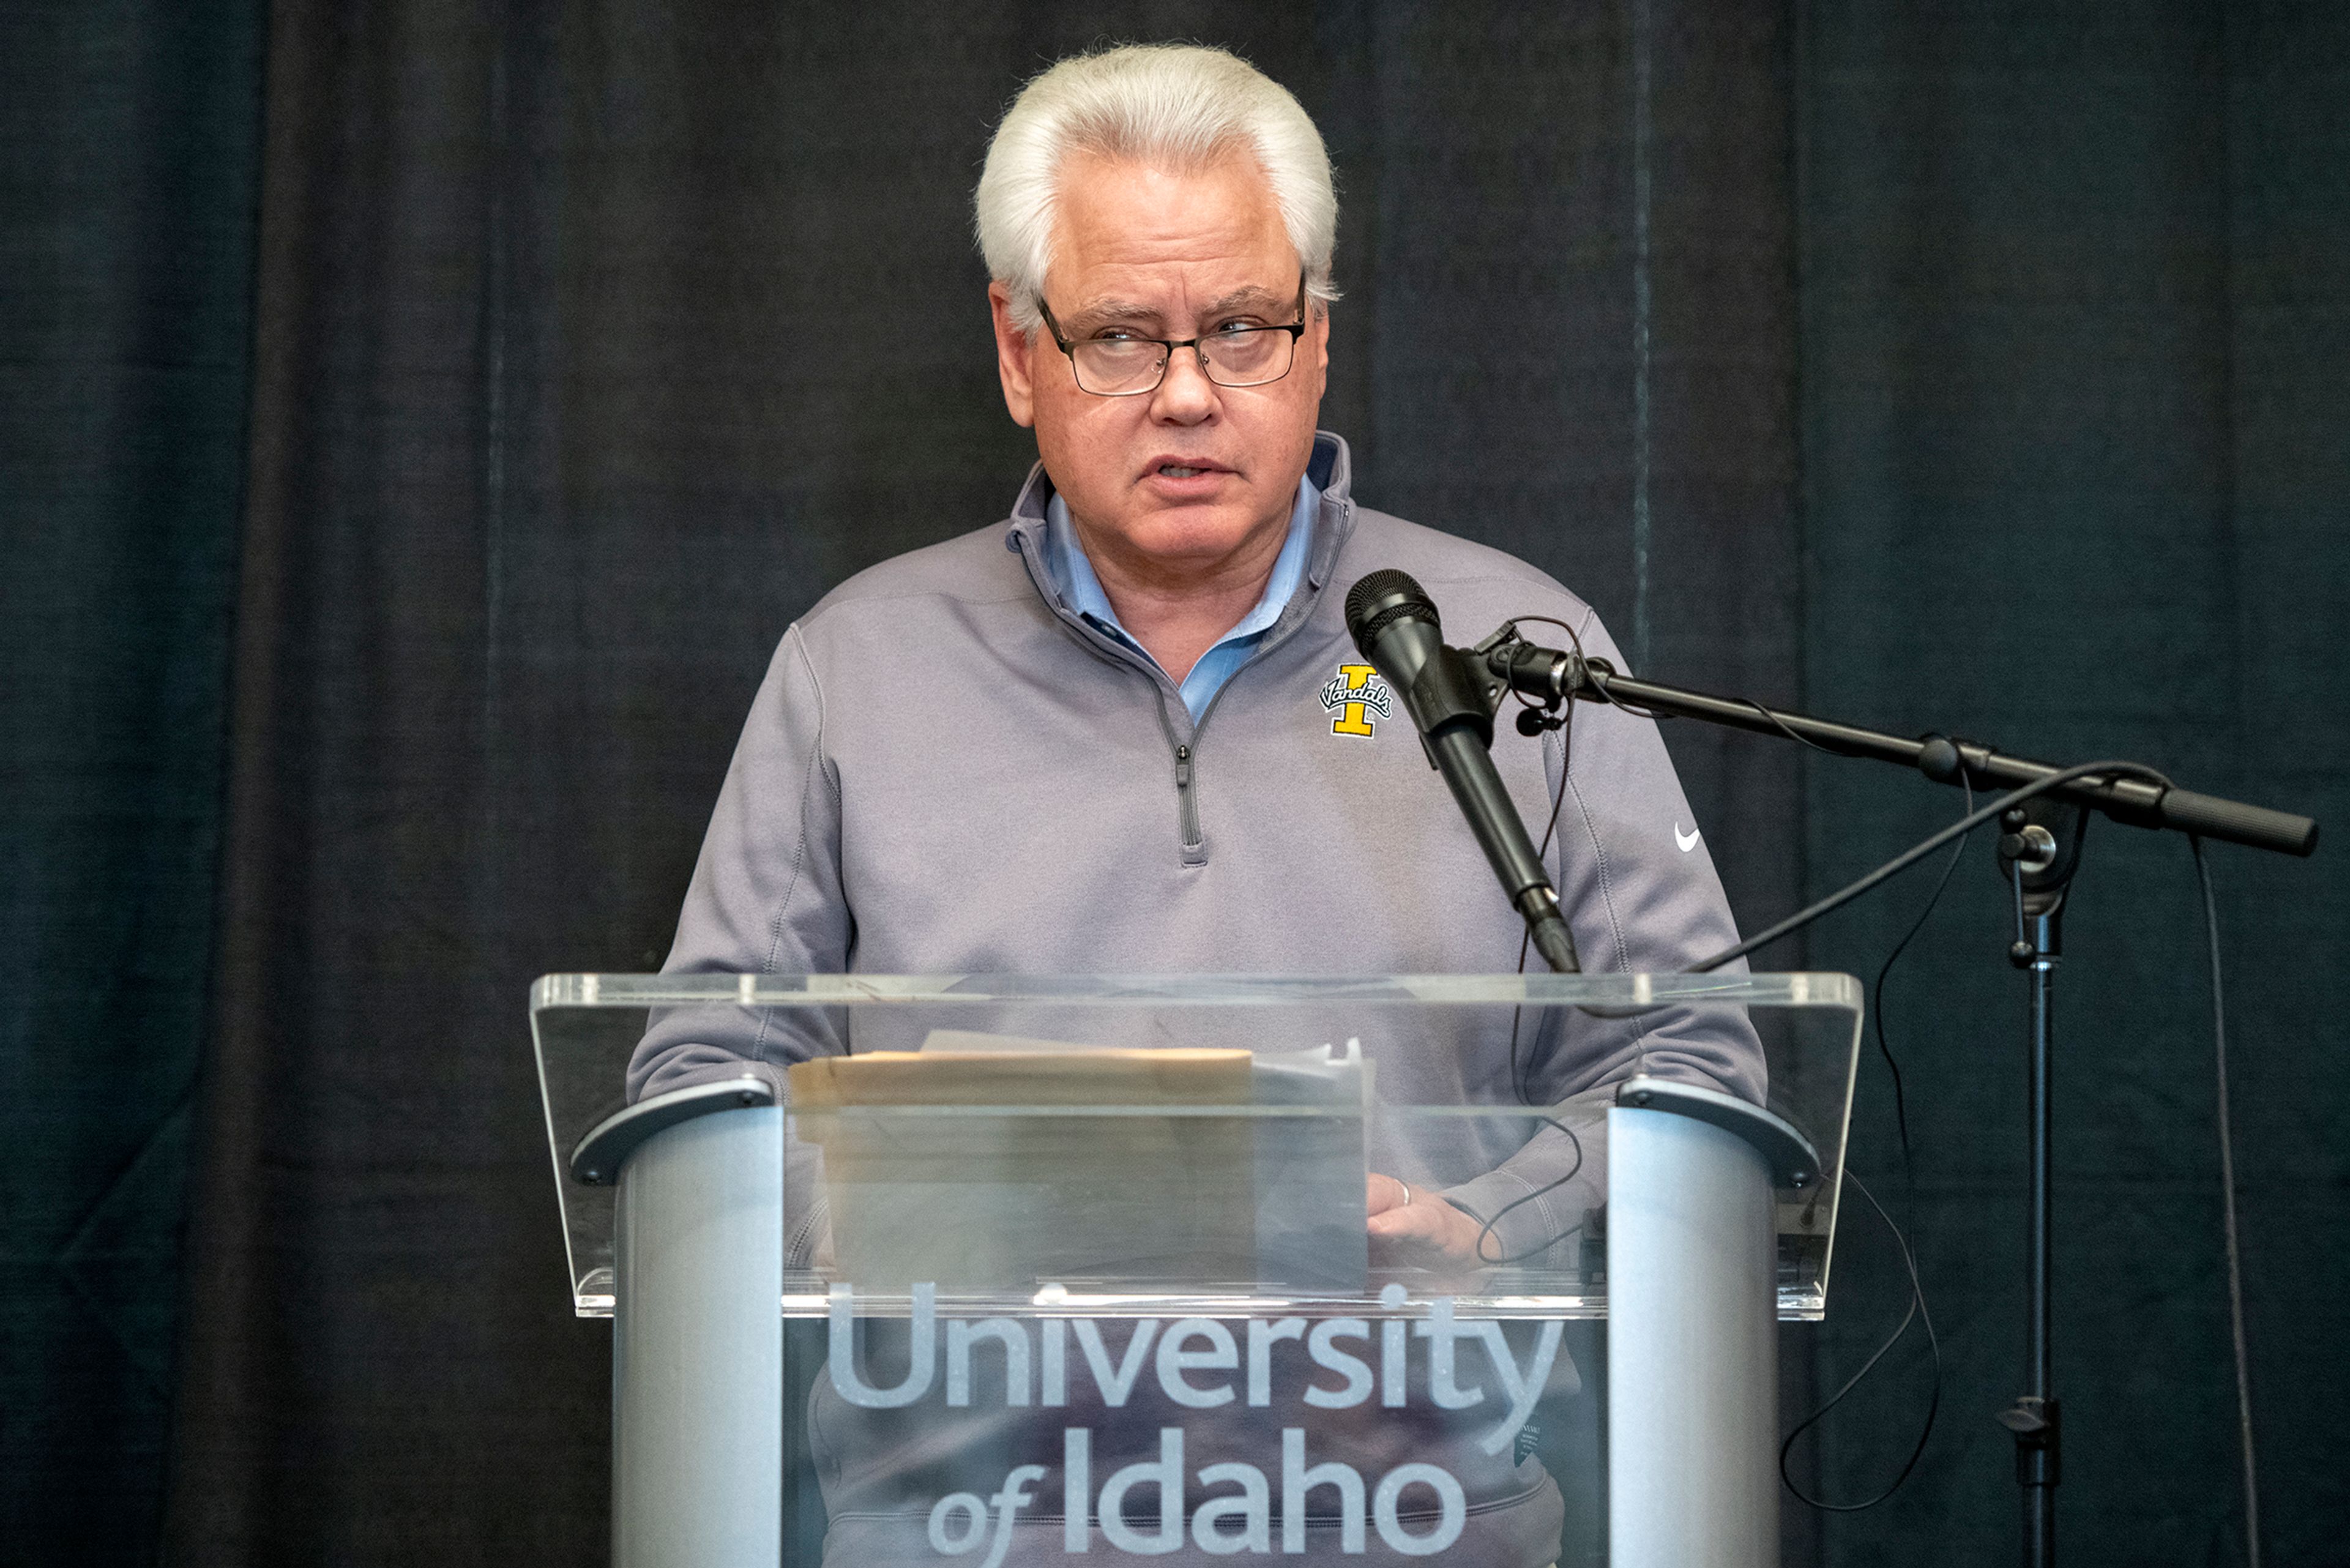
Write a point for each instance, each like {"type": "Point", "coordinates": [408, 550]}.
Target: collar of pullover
{"type": "Point", "coordinates": [1330, 469]}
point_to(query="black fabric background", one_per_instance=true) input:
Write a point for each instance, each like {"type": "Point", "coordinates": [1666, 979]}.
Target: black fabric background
{"type": "Point", "coordinates": [1979, 370]}
{"type": "Point", "coordinates": [129, 150]}
{"type": "Point", "coordinates": [2076, 295]}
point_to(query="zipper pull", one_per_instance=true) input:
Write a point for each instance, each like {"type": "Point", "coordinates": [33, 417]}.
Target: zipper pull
{"type": "Point", "coordinates": [1182, 768]}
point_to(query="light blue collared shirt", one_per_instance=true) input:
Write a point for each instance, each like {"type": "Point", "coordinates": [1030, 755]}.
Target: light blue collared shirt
{"type": "Point", "coordinates": [1065, 559]}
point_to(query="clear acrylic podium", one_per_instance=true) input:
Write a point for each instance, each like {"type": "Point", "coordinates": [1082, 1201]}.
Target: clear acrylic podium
{"type": "Point", "coordinates": [1015, 1269]}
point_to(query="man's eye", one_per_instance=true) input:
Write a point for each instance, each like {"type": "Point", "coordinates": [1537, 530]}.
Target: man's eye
{"type": "Point", "coordinates": [1117, 335]}
{"type": "Point", "coordinates": [1229, 328]}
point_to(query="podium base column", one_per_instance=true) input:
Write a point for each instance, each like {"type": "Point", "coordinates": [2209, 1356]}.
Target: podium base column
{"type": "Point", "coordinates": [1692, 1346]}
{"type": "Point", "coordinates": [698, 1346]}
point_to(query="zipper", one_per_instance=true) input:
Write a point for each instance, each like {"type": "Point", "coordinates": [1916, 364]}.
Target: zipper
{"type": "Point", "coordinates": [1193, 845]}
{"type": "Point", "coordinates": [1187, 793]}
{"type": "Point", "coordinates": [1187, 801]}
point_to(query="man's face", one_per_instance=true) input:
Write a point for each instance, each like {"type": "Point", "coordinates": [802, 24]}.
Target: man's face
{"type": "Point", "coordinates": [1170, 256]}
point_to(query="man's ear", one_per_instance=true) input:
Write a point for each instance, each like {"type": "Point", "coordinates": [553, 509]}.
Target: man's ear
{"type": "Point", "coordinates": [1012, 349]}
{"type": "Point", "coordinates": [1312, 362]}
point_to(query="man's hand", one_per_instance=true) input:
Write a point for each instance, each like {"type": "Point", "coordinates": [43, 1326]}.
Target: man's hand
{"type": "Point", "coordinates": [1412, 1226]}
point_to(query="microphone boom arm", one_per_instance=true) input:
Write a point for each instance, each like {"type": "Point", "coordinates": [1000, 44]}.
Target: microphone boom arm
{"type": "Point", "coordinates": [1551, 676]}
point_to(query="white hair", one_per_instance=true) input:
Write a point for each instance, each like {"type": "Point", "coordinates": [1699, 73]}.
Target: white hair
{"type": "Point", "coordinates": [1176, 106]}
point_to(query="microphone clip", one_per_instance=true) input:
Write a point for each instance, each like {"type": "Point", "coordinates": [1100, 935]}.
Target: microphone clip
{"type": "Point", "coordinates": [1547, 680]}
{"type": "Point", "coordinates": [1452, 690]}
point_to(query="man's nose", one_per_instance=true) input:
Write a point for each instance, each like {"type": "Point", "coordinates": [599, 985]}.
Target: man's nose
{"type": "Point", "coordinates": [1185, 395]}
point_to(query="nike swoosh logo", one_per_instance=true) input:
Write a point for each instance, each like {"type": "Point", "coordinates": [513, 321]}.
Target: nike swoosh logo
{"type": "Point", "coordinates": [1687, 844]}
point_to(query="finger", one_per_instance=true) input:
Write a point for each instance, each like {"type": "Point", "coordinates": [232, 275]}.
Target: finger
{"type": "Point", "coordinates": [1385, 1194]}
{"type": "Point", "coordinates": [1427, 1229]}
{"type": "Point", "coordinates": [1416, 1245]}
{"type": "Point", "coordinates": [1418, 1221]}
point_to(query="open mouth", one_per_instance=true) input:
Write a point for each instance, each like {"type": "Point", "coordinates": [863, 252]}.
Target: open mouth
{"type": "Point", "coordinates": [1184, 471]}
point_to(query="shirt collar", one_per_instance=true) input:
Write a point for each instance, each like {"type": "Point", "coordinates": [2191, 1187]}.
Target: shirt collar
{"type": "Point", "coordinates": [1073, 574]}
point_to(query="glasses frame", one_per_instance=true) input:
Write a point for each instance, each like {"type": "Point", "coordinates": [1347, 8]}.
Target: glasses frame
{"type": "Point", "coordinates": [1297, 329]}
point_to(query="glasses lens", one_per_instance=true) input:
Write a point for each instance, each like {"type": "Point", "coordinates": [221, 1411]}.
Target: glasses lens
{"type": "Point", "coordinates": [1111, 365]}
{"type": "Point", "coordinates": [1248, 357]}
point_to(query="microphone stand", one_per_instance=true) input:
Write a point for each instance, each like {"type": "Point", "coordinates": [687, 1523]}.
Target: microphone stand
{"type": "Point", "coordinates": [2039, 854]}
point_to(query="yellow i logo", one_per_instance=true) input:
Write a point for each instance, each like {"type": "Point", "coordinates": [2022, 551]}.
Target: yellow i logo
{"type": "Point", "coordinates": [1355, 694]}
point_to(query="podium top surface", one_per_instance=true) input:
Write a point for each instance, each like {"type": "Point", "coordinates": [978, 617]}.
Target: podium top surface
{"type": "Point", "coordinates": [1811, 990]}
{"type": "Point", "coordinates": [1489, 1093]}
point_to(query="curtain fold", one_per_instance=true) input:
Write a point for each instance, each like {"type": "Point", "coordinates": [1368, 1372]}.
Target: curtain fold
{"type": "Point", "coordinates": [127, 193]}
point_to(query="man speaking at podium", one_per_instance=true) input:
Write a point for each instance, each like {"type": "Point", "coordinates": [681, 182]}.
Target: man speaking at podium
{"type": "Point", "coordinates": [1125, 728]}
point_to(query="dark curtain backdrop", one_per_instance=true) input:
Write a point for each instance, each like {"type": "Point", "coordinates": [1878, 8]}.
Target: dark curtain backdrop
{"type": "Point", "coordinates": [1975, 367]}
{"type": "Point", "coordinates": [129, 148]}
{"type": "Point", "coordinates": [2076, 478]}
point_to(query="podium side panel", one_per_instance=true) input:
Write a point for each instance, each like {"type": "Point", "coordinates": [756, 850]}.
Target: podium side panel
{"type": "Point", "coordinates": [1692, 1348]}
{"type": "Point", "coordinates": [697, 1346]}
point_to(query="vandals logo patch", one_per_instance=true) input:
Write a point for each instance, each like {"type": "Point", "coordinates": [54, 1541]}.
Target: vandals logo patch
{"type": "Point", "coordinates": [1355, 694]}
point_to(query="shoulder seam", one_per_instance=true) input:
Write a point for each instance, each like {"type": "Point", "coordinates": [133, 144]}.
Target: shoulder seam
{"type": "Point", "coordinates": [1606, 895]}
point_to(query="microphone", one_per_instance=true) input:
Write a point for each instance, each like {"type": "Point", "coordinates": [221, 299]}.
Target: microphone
{"type": "Point", "coordinates": [1395, 625]}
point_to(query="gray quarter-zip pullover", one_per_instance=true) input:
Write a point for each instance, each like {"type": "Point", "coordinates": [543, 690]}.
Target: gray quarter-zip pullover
{"type": "Point", "coordinates": [949, 770]}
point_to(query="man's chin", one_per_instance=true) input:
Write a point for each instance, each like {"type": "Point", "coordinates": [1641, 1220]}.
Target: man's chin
{"type": "Point", "coordinates": [1200, 534]}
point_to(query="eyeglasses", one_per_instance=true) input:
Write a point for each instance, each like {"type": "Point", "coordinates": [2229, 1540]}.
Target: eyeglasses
{"type": "Point", "coordinates": [1126, 365]}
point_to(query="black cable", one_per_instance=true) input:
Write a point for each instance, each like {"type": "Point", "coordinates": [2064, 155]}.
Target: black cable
{"type": "Point", "coordinates": [1877, 989]}
{"type": "Point", "coordinates": [1960, 831]}
{"type": "Point", "coordinates": [1564, 722]}
{"type": "Point", "coordinates": [2228, 1211]}
{"type": "Point", "coordinates": [1599, 679]}
{"type": "Point", "coordinates": [1782, 725]}
{"type": "Point", "coordinates": [1485, 1227]}
{"type": "Point", "coordinates": [1876, 1004]}
{"type": "Point", "coordinates": [1918, 1311]}
{"type": "Point", "coordinates": [1908, 1178]}
{"type": "Point", "coordinates": [1508, 628]}
{"type": "Point", "coordinates": [1917, 852]}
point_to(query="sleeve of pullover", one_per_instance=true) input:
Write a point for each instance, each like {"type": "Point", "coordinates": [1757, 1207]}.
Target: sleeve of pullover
{"type": "Point", "coordinates": [766, 897]}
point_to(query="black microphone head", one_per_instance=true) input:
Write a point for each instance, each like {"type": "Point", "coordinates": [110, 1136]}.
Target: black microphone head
{"type": "Point", "coordinates": [1379, 599]}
